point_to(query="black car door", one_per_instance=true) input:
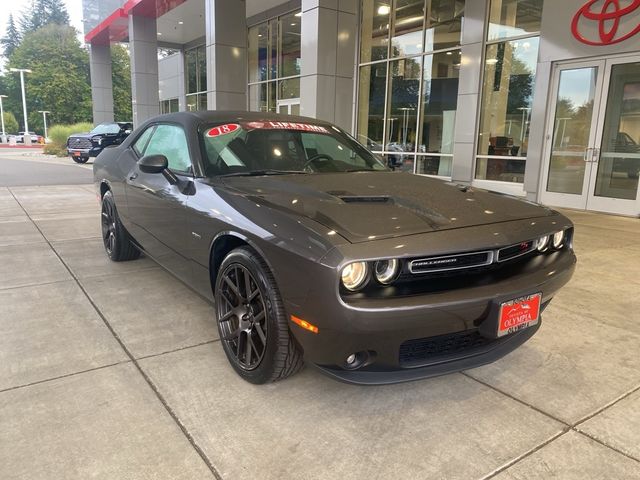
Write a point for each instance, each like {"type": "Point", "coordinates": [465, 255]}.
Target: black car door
{"type": "Point", "coordinates": [156, 205]}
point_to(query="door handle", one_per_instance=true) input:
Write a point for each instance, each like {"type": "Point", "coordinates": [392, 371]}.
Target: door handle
{"type": "Point", "coordinates": [595, 155]}
{"type": "Point", "coordinates": [133, 176]}
{"type": "Point", "coordinates": [585, 155]}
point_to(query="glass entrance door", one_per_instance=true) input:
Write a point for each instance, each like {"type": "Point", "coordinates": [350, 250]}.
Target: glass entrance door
{"type": "Point", "coordinates": [593, 141]}
{"type": "Point", "coordinates": [290, 106]}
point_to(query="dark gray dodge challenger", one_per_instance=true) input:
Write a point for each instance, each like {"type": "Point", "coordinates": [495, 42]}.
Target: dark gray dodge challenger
{"type": "Point", "coordinates": [310, 248]}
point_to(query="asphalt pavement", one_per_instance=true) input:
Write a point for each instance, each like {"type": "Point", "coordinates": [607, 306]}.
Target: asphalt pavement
{"type": "Point", "coordinates": [20, 167]}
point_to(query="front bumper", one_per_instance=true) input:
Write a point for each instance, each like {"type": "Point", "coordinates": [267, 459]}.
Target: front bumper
{"type": "Point", "coordinates": [382, 326]}
{"type": "Point", "coordinates": [84, 152]}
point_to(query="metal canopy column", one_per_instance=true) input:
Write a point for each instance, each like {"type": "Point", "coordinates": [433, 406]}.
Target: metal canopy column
{"type": "Point", "coordinates": [328, 55]}
{"type": "Point", "coordinates": [226, 44]}
{"type": "Point", "coordinates": [143, 44]}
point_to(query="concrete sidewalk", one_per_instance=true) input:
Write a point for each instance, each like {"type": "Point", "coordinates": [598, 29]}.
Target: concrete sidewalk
{"type": "Point", "coordinates": [114, 371]}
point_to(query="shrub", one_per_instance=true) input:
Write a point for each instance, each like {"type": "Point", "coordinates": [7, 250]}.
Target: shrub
{"type": "Point", "coordinates": [10, 123]}
{"type": "Point", "coordinates": [59, 134]}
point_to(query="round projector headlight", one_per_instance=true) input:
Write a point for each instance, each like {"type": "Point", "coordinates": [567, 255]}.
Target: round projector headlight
{"type": "Point", "coordinates": [557, 239]}
{"type": "Point", "coordinates": [354, 275]}
{"type": "Point", "coordinates": [386, 270]}
{"type": "Point", "coordinates": [543, 243]}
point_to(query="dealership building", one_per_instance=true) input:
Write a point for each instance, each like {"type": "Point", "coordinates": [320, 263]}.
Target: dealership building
{"type": "Point", "coordinates": [536, 98]}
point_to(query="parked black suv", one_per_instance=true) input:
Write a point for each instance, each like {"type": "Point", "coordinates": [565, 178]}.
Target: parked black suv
{"type": "Point", "coordinates": [82, 146]}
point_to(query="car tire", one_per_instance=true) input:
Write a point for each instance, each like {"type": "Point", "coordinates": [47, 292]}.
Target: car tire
{"type": "Point", "coordinates": [80, 159]}
{"type": "Point", "coordinates": [117, 241]}
{"type": "Point", "coordinates": [252, 322]}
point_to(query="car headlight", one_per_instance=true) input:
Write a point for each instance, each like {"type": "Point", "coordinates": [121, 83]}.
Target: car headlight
{"type": "Point", "coordinates": [557, 239]}
{"type": "Point", "coordinates": [543, 243]}
{"type": "Point", "coordinates": [97, 140]}
{"type": "Point", "coordinates": [354, 275]}
{"type": "Point", "coordinates": [386, 270]}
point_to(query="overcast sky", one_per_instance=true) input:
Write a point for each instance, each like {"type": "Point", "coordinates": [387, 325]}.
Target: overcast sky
{"type": "Point", "coordinates": [74, 7]}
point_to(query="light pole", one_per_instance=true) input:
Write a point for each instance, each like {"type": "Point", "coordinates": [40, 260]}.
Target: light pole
{"type": "Point", "coordinates": [44, 118]}
{"type": "Point", "coordinates": [3, 139]}
{"type": "Point", "coordinates": [27, 137]}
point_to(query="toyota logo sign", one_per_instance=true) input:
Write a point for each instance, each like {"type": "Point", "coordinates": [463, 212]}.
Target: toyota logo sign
{"type": "Point", "coordinates": [608, 19]}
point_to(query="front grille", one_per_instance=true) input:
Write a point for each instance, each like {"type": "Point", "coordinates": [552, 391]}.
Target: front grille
{"type": "Point", "coordinates": [420, 350]}
{"type": "Point", "coordinates": [514, 251]}
{"type": "Point", "coordinates": [77, 142]}
{"type": "Point", "coordinates": [450, 262]}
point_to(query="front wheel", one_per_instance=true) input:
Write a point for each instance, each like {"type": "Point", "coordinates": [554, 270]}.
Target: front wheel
{"type": "Point", "coordinates": [80, 159]}
{"type": "Point", "coordinates": [252, 322]}
{"type": "Point", "coordinates": [117, 242]}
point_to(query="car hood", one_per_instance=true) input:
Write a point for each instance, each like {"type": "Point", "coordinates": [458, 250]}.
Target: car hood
{"type": "Point", "coordinates": [81, 135]}
{"type": "Point", "coordinates": [366, 206]}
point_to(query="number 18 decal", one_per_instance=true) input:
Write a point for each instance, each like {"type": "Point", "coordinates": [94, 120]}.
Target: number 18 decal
{"type": "Point", "coordinates": [223, 129]}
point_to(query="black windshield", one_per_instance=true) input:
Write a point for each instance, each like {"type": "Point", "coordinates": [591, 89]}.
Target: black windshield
{"type": "Point", "coordinates": [282, 148]}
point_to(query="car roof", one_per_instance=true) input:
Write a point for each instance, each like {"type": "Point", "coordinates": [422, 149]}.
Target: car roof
{"type": "Point", "coordinates": [215, 116]}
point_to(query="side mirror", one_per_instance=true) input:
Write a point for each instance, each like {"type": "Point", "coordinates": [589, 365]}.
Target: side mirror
{"type": "Point", "coordinates": [153, 164]}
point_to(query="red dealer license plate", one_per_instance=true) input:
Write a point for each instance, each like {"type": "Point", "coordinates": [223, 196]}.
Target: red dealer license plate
{"type": "Point", "coordinates": [518, 314]}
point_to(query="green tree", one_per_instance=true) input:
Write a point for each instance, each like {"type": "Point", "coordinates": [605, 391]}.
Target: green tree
{"type": "Point", "coordinates": [10, 123]}
{"type": "Point", "coordinates": [59, 81]}
{"type": "Point", "coordinates": [11, 38]}
{"type": "Point", "coordinates": [43, 12]}
{"type": "Point", "coordinates": [121, 75]}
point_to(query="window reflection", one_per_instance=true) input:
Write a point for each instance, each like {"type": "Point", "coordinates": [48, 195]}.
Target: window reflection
{"type": "Point", "coordinates": [374, 32]}
{"type": "Point", "coordinates": [510, 18]}
{"type": "Point", "coordinates": [408, 21]}
{"type": "Point", "coordinates": [274, 53]}
{"type": "Point", "coordinates": [420, 102]}
{"type": "Point", "coordinates": [444, 24]}
{"type": "Point", "coordinates": [506, 108]}
{"type": "Point", "coordinates": [373, 79]}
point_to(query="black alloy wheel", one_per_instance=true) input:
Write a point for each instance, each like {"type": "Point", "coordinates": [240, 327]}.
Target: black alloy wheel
{"type": "Point", "coordinates": [242, 316]}
{"type": "Point", "coordinates": [80, 159]}
{"type": "Point", "coordinates": [116, 240]}
{"type": "Point", "coordinates": [252, 323]}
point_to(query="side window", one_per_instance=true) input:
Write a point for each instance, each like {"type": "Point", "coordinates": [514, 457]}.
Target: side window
{"type": "Point", "coordinates": [171, 141]}
{"type": "Point", "coordinates": [141, 143]}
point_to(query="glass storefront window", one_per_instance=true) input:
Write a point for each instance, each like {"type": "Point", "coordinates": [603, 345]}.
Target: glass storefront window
{"type": "Point", "coordinates": [408, 30]}
{"type": "Point", "coordinates": [191, 61]}
{"type": "Point", "coordinates": [258, 52]}
{"type": "Point", "coordinates": [371, 102]}
{"type": "Point", "coordinates": [507, 97]}
{"type": "Point", "coordinates": [196, 69]}
{"type": "Point", "coordinates": [169, 106]}
{"type": "Point", "coordinates": [439, 101]}
{"type": "Point", "coordinates": [402, 112]}
{"type": "Point", "coordinates": [274, 53]}
{"type": "Point", "coordinates": [196, 102]}
{"type": "Point", "coordinates": [374, 30]}
{"type": "Point", "coordinates": [289, 27]}
{"type": "Point", "coordinates": [412, 112]}
{"type": "Point", "coordinates": [512, 18]}
{"type": "Point", "coordinates": [444, 24]}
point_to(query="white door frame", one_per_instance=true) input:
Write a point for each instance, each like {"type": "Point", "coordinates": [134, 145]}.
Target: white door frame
{"type": "Point", "coordinates": [587, 199]}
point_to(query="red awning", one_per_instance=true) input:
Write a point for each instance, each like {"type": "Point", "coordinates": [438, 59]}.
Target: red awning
{"type": "Point", "coordinates": [115, 28]}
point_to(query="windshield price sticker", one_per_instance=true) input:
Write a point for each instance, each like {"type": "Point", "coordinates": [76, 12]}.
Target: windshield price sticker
{"type": "Point", "coordinates": [223, 129]}
{"type": "Point", "coordinates": [303, 127]}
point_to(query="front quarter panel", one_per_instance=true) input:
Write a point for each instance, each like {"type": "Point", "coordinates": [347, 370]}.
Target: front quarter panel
{"type": "Point", "coordinates": [290, 245]}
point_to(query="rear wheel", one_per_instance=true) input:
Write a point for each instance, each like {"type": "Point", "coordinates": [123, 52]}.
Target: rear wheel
{"type": "Point", "coordinates": [251, 320]}
{"type": "Point", "coordinates": [117, 242]}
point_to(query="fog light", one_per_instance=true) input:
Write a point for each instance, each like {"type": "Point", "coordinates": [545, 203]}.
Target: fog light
{"type": "Point", "coordinates": [351, 359]}
{"type": "Point", "coordinates": [558, 237]}
{"type": "Point", "coordinates": [543, 243]}
{"type": "Point", "coordinates": [386, 270]}
{"type": "Point", "coordinates": [354, 275]}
